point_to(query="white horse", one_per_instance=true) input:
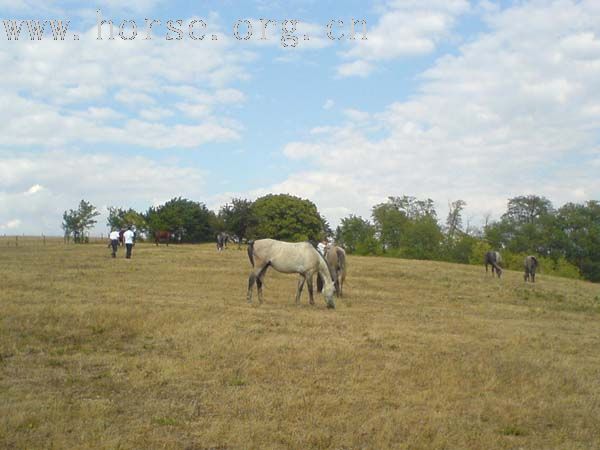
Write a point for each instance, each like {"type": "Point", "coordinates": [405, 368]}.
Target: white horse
{"type": "Point", "coordinates": [286, 257]}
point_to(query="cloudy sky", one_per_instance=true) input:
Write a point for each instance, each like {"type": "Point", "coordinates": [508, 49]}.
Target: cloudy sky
{"type": "Point", "coordinates": [446, 99]}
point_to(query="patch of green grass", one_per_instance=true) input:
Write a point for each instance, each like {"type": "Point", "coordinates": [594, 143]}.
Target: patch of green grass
{"type": "Point", "coordinates": [236, 381]}
{"type": "Point", "coordinates": [165, 421]}
{"type": "Point", "coordinates": [513, 430]}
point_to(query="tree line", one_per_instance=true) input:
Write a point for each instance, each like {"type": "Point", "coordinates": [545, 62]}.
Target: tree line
{"type": "Point", "coordinates": [283, 217]}
{"type": "Point", "coordinates": [566, 240]}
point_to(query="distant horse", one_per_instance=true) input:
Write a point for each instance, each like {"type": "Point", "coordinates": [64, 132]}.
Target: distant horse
{"type": "Point", "coordinates": [222, 239]}
{"type": "Point", "coordinates": [162, 236]}
{"type": "Point", "coordinates": [336, 259]}
{"type": "Point", "coordinates": [493, 259]}
{"type": "Point", "coordinates": [301, 258]}
{"type": "Point", "coordinates": [531, 264]}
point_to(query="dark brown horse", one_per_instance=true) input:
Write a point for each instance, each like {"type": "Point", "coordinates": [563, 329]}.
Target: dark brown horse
{"type": "Point", "coordinates": [162, 236]}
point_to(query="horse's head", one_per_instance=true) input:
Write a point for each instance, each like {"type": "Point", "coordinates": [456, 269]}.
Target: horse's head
{"type": "Point", "coordinates": [328, 293]}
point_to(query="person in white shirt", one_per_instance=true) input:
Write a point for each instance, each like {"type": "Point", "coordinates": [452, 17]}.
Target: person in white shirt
{"type": "Point", "coordinates": [129, 238]}
{"type": "Point", "coordinates": [114, 241]}
{"type": "Point", "coordinates": [321, 246]}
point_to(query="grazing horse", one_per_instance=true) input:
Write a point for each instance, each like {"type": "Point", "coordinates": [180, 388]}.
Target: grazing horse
{"type": "Point", "coordinates": [336, 259]}
{"type": "Point", "coordinates": [493, 259]}
{"type": "Point", "coordinates": [301, 258]}
{"type": "Point", "coordinates": [222, 239]}
{"type": "Point", "coordinates": [162, 236]}
{"type": "Point", "coordinates": [531, 264]}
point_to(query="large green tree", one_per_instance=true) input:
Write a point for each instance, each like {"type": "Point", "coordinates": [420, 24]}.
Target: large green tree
{"type": "Point", "coordinates": [409, 226]}
{"type": "Point", "coordinates": [119, 218]}
{"type": "Point", "coordinates": [357, 235]}
{"type": "Point", "coordinates": [286, 218]}
{"type": "Point", "coordinates": [528, 226]}
{"type": "Point", "coordinates": [581, 226]}
{"type": "Point", "coordinates": [237, 217]}
{"type": "Point", "coordinates": [390, 224]}
{"type": "Point", "coordinates": [186, 218]}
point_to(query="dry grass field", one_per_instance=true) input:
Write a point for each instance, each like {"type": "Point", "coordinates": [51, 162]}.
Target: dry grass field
{"type": "Point", "coordinates": [162, 351]}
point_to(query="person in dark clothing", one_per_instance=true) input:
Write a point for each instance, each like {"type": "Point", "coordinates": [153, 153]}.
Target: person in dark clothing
{"type": "Point", "coordinates": [129, 238]}
{"type": "Point", "coordinates": [114, 242]}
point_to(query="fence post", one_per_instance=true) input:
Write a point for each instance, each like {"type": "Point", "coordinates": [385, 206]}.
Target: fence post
{"type": "Point", "coordinates": [16, 241]}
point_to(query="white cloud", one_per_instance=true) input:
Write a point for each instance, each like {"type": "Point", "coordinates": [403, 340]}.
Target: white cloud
{"type": "Point", "coordinates": [513, 112]}
{"type": "Point", "coordinates": [34, 189]}
{"type": "Point", "coordinates": [64, 178]}
{"type": "Point", "coordinates": [405, 28]}
{"type": "Point", "coordinates": [133, 98]}
{"type": "Point", "coordinates": [329, 103]}
{"type": "Point", "coordinates": [359, 68]}
{"type": "Point", "coordinates": [65, 94]}
{"type": "Point", "coordinates": [10, 225]}
{"type": "Point", "coordinates": [155, 114]}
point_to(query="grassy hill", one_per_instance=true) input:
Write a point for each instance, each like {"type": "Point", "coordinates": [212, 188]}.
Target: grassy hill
{"type": "Point", "coordinates": [162, 351]}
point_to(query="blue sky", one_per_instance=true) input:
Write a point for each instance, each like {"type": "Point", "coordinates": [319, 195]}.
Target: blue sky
{"type": "Point", "coordinates": [446, 99]}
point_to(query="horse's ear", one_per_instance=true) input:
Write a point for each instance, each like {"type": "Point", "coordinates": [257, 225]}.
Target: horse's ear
{"type": "Point", "coordinates": [319, 284]}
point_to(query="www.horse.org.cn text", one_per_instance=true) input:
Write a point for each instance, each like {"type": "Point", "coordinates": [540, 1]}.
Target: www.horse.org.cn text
{"type": "Point", "coordinates": [289, 32]}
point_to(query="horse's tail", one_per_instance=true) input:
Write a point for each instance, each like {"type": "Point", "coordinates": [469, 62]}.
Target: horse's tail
{"type": "Point", "coordinates": [251, 252]}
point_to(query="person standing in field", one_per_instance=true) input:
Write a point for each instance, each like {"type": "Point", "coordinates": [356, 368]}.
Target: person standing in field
{"type": "Point", "coordinates": [321, 246]}
{"type": "Point", "coordinates": [114, 242]}
{"type": "Point", "coordinates": [129, 238]}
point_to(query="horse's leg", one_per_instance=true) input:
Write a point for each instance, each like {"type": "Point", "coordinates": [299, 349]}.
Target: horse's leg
{"type": "Point", "coordinates": [259, 282]}
{"type": "Point", "coordinates": [251, 281]}
{"type": "Point", "coordinates": [299, 289]}
{"type": "Point", "coordinates": [309, 284]}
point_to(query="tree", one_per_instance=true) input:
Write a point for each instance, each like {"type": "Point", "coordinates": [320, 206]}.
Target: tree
{"type": "Point", "coordinates": [77, 221]}
{"type": "Point", "coordinates": [357, 235]}
{"type": "Point", "coordinates": [191, 221]}
{"type": "Point", "coordinates": [527, 209]}
{"type": "Point", "coordinates": [423, 238]}
{"type": "Point", "coordinates": [286, 218]}
{"type": "Point", "coordinates": [458, 244]}
{"type": "Point", "coordinates": [414, 208]}
{"type": "Point", "coordinates": [581, 226]}
{"type": "Point", "coordinates": [390, 222]}
{"type": "Point", "coordinates": [454, 219]}
{"type": "Point", "coordinates": [410, 226]}
{"type": "Point", "coordinates": [119, 218]}
{"type": "Point", "coordinates": [528, 226]}
{"type": "Point", "coordinates": [238, 217]}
